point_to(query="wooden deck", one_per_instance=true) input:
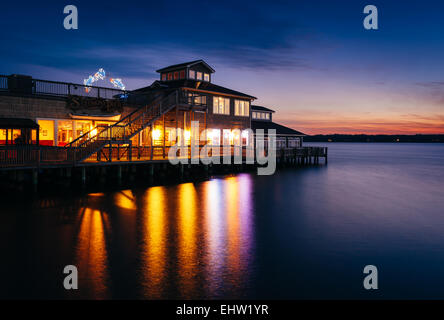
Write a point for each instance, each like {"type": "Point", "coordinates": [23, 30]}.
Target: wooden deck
{"type": "Point", "coordinates": [21, 157]}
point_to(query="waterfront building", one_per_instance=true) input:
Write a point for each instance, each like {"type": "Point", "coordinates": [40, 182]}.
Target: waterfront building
{"type": "Point", "coordinates": [71, 124]}
{"type": "Point", "coordinates": [63, 112]}
{"type": "Point", "coordinates": [262, 118]}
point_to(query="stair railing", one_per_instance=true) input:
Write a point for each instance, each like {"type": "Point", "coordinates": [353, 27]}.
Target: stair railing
{"type": "Point", "coordinates": [122, 130]}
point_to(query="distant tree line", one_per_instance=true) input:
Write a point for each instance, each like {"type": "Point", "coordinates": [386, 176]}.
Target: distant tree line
{"type": "Point", "coordinates": [419, 138]}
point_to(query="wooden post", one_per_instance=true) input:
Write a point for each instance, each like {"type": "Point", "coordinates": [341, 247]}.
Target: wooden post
{"type": "Point", "coordinates": [205, 128]}
{"type": "Point", "coordinates": [130, 151]}
{"type": "Point", "coordinates": [176, 120]}
{"type": "Point", "coordinates": [119, 174]}
{"type": "Point", "coordinates": [83, 175]}
{"type": "Point", "coordinates": [151, 141]}
{"type": "Point", "coordinates": [56, 133]}
{"type": "Point", "coordinates": [163, 120]}
{"type": "Point", "coordinates": [35, 177]}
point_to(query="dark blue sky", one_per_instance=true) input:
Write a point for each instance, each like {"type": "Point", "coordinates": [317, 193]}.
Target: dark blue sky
{"type": "Point", "coordinates": [311, 60]}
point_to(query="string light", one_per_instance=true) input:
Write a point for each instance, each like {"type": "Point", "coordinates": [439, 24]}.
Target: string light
{"type": "Point", "coordinates": [101, 75]}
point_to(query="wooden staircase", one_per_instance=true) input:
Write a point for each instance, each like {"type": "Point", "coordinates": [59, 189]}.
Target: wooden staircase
{"type": "Point", "coordinates": [122, 131]}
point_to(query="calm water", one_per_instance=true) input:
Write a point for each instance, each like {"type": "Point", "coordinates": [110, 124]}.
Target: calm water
{"type": "Point", "coordinates": [301, 233]}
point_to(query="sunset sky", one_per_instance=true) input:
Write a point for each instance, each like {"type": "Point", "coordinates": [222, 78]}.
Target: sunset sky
{"type": "Point", "coordinates": [311, 61]}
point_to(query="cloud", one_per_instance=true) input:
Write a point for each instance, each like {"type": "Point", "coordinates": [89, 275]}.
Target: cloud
{"type": "Point", "coordinates": [431, 84]}
{"type": "Point", "coordinates": [403, 124]}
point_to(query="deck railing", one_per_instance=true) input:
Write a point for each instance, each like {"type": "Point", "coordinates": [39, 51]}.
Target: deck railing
{"type": "Point", "coordinates": [31, 156]}
{"type": "Point", "coordinates": [36, 156]}
{"type": "Point", "coordinates": [29, 86]}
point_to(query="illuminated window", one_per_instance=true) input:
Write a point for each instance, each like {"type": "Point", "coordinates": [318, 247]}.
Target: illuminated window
{"type": "Point", "coordinates": [206, 77]}
{"type": "Point", "coordinates": [221, 105]}
{"type": "Point", "coordinates": [245, 137]}
{"type": "Point", "coordinates": [82, 127]}
{"type": "Point", "coordinates": [187, 137]}
{"type": "Point", "coordinates": [3, 136]}
{"type": "Point", "coordinates": [64, 132]}
{"type": "Point", "coordinates": [241, 108]}
{"type": "Point", "coordinates": [170, 136]}
{"type": "Point", "coordinates": [199, 75]}
{"type": "Point", "coordinates": [170, 76]}
{"type": "Point", "coordinates": [164, 76]}
{"type": "Point", "coordinates": [254, 115]}
{"type": "Point", "coordinates": [182, 74]}
{"type": "Point", "coordinates": [176, 75]}
{"type": "Point", "coordinates": [226, 135]}
{"type": "Point", "coordinates": [215, 137]}
{"type": "Point", "coordinates": [46, 132]}
{"type": "Point", "coordinates": [157, 136]}
{"type": "Point", "coordinates": [192, 74]}
{"type": "Point", "coordinates": [17, 136]}
{"type": "Point", "coordinates": [267, 116]}
{"type": "Point", "coordinates": [235, 137]}
{"type": "Point", "coordinates": [197, 99]}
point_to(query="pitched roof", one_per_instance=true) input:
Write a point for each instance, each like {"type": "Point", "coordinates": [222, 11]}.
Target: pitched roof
{"type": "Point", "coordinates": [280, 129]}
{"type": "Point", "coordinates": [193, 84]}
{"type": "Point", "coordinates": [260, 108]}
{"type": "Point", "coordinates": [16, 123]}
{"type": "Point", "coordinates": [187, 65]}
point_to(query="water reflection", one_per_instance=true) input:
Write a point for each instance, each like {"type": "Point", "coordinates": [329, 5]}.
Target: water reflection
{"type": "Point", "coordinates": [92, 253]}
{"type": "Point", "coordinates": [214, 226]}
{"type": "Point", "coordinates": [125, 199]}
{"type": "Point", "coordinates": [228, 235]}
{"type": "Point", "coordinates": [233, 234]}
{"type": "Point", "coordinates": [154, 244]}
{"type": "Point", "coordinates": [295, 233]}
{"type": "Point", "coordinates": [187, 246]}
{"type": "Point", "coordinates": [191, 240]}
{"type": "Point", "coordinates": [239, 230]}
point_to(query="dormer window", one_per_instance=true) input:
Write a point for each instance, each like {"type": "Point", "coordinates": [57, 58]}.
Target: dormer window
{"type": "Point", "coordinates": [192, 74]}
{"type": "Point", "coordinates": [164, 76]}
{"type": "Point", "coordinates": [170, 76]}
{"type": "Point", "coordinates": [182, 74]}
{"type": "Point", "coordinates": [176, 75]}
{"type": "Point", "coordinates": [206, 77]}
{"type": "Point", "coordinates": [199, 75]}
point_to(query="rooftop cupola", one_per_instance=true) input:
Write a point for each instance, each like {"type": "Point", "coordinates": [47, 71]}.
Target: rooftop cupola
{"type": "Point", "coordinates": [197, 70]}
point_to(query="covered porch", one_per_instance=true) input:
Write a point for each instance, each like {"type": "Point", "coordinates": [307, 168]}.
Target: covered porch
{"type": "Point", "coordinates": [18, 131]}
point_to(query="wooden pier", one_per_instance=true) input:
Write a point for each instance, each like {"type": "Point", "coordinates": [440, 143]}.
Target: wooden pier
{"type": "Point", "coordinates": [33, 164]}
